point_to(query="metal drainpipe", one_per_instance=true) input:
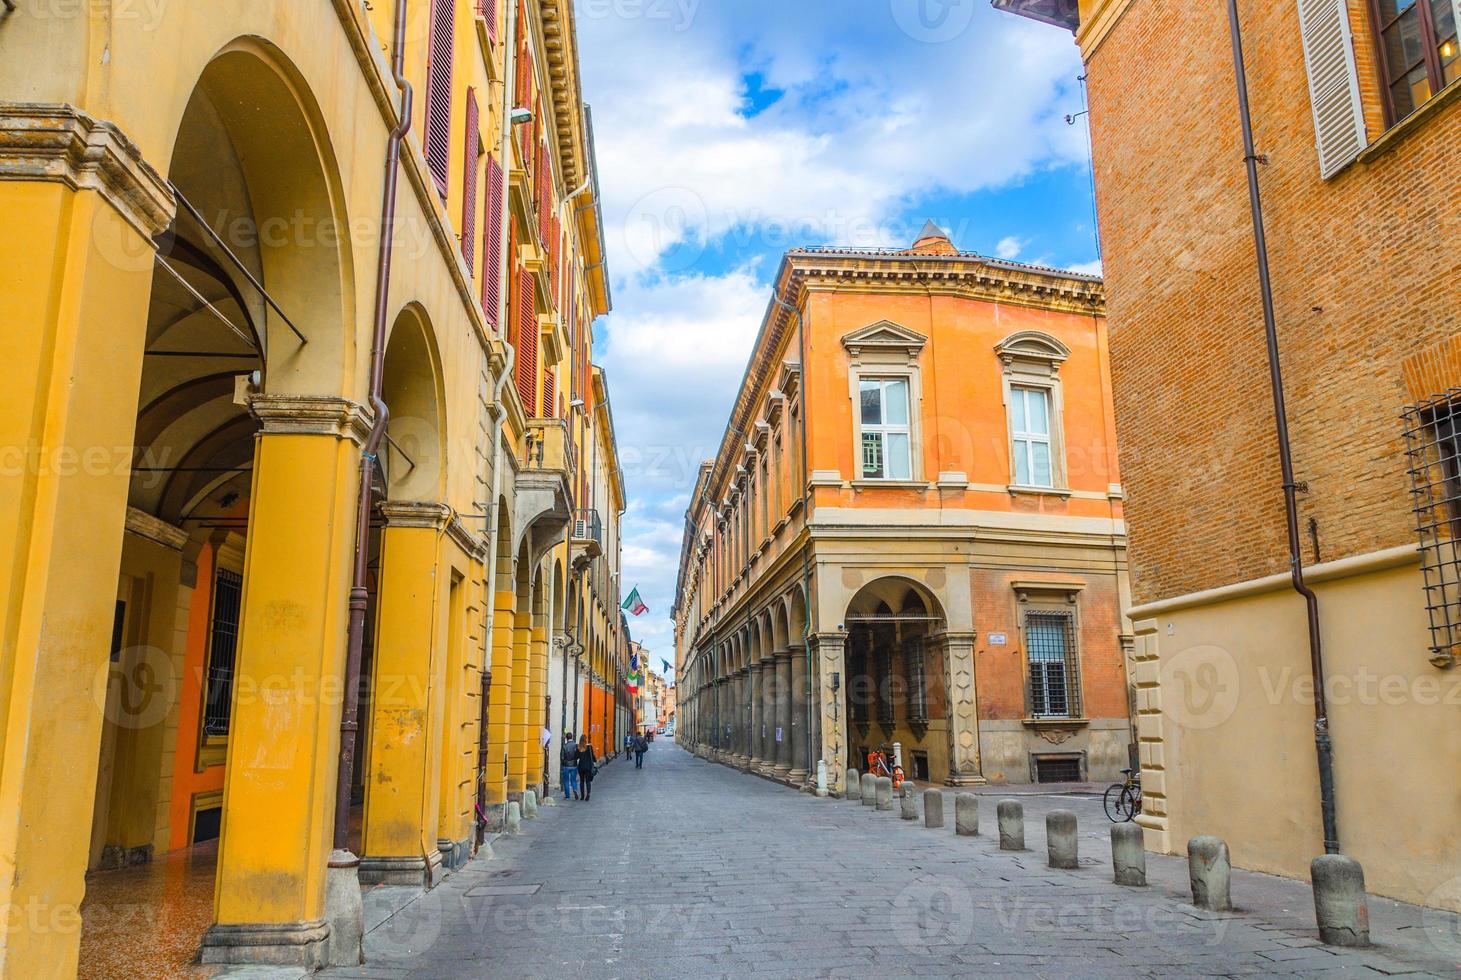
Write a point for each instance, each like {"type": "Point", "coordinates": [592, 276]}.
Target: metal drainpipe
{"type": "Point", "coordinates": [355, 634]}
{"type": "Point", "coordinates": [801, 334]}
{"type": "Point", "coordinates": [1322, 742]}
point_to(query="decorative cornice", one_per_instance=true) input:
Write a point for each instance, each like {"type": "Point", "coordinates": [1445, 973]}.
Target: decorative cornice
{"type": "Point", "coordinates": [963, 276]}
{"type": "Point", "coordinates": [158, 531]}
{"type": "Point", "coordinates": [560, 46]}
{"type": "Point", "coordinates": [416, 514]}
{"type": "Point", "coordinates": [469, 541]}
{"type": "Point", "coordinates": [59, 143]}
{"type": "Point", "coordinates": [311, 415]}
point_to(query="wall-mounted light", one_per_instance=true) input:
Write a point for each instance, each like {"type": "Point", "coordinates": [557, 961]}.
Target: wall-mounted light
{"type": "Point", "coordinates": [520, 116]}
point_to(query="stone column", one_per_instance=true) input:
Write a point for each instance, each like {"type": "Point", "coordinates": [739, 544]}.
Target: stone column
{"type": "Point", "coordinates": [770, 685]}
{"type": "Point", "coordinates": [800, 768]}
{"type": "Point", "coordinates": [756, 718]}
{"type": "Point", "coordinates": [830, 652]}
{"type": "Point", "coordinates": [963, 725]}
{"type": "Point", "coordinates": [402, 795]}
{"type": "Point", "coordinates": [81, 207]}
{"type": "Point", "coordinates": [742, 717]}
{"type": "Point", "coordinates": [269, 903]}
{"type": "Point", "coordinates": [783, 714]}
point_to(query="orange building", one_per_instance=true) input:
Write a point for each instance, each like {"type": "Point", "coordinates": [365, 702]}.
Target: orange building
{"type": "Point", "coordinates": [912, 533]}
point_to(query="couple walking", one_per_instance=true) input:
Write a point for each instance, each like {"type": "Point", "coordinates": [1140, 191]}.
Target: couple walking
{"type": "Point", "coordinates": [578, 765]}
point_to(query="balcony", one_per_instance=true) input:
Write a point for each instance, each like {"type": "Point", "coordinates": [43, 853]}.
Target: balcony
{"type": "Point", "coordinates": [542, 505]}
{"type": "Point", "coordinates": [587, 540]}
{"type": "Point", "coordinates": [547, 446]}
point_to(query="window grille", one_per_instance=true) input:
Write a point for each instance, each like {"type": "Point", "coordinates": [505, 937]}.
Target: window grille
{"type": "Point", "coordinates": [1054, 668]}
{"type": "Point", "coordinates": [222, 652]}
{"type": "Point", "coordinates": [884, 659]}
{"type": "Point", "coordinates": [917, 685]}
{"type": "Point", "coordinates": [1433, 454]}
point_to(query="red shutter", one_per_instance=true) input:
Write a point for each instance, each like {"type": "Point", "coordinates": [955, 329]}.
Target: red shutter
{"type": "Point", "coordinates": [469, 184]}
{"type": "Point", "coordinates": [438, 94]}
{"type": "Point", "coordinates": [487, 10]}
{"type": "Point", "coordinates": [555, 240]}
{"type": "Point", "coordinates": [527, 343]}
{"type": "Point", "coordinates": [550, 393]}
{"type": "Point", "coordinates": [545, 191]}
{"type": "Point", "coordinates": [492, 255]}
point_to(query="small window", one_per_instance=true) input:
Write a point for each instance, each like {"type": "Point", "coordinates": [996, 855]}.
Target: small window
{"type": "Point", "coordinates": [1433, 453]}
{"type": "Point", "coordinates": [886, 441]}
{"type": "Point", "coordinates": [1054, 675]}
{"type": "Point", "coordinates": [1030, 432]}
{"type": "Point", "coordinates": [1419, 54]}
{"type": "Point", "coordinates": [222, 652]}
{"type": "Point", "coordinates": [917, 682]}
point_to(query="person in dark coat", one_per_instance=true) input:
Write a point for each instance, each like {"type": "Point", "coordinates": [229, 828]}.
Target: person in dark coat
{"type": "Point", "coordinates": [641, 746]}
{"type": "Point", "coordinates": [587, 763]}
{"type": "Point", "coordinates": [568, 766]}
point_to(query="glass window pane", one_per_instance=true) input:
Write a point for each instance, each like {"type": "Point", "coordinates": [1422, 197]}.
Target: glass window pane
{"type": "Point", "coordinates": [900, 465]}
{"type": "Point", "coordinates": [1450, 59]}
{"type": "Point", "coordinates": [896, 402]}
{"type": "Point", "coordinates": [872, 455]}
{"type": "Point", "coordinates": [1040, 464]}
{"type": "Point", "coordinates": [1444, 19]}
{"type": "Point", "coordinates": [1038, 403]}
{"type": "Point", "coordinates": [1017, 409]}
{"type": "Point", "coordinates": [1389, 8]}
{"type": "Point", "coordinates": [1022, 462]}
{"type": "Point", "coordinates": [872, 403]}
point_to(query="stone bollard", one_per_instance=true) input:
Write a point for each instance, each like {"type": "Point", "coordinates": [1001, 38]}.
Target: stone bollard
{"type": "Point", "coordinates": [530, 805]}
{"type": "Point", "coordinates": [1211, 873]}
{"type": "Point", "coordinates": [909, 809]}
{"type": "Point", "coordinates": [514, 818]}
{"type": "Point", "coordinates": [883, 791]}
{"type": "Point", "coordinates": [933, 808]}
{"type": "Point", "coordinates": [966, 815]}
{"type": "Point", "coordinates": [1060, 839]}
{"type": "Point", "coordinates": [1011, 815]}
{"type": "Point", "coordinates": [1128, 854]}
{"type": "Point", "coordinates": [851, 786]}
{"type": "Point", "coordinates": [869, 789]}
{"type": "Point", "coordinates": [821, 789]}
{"type": "Point", "coordinates": [1339, 900]}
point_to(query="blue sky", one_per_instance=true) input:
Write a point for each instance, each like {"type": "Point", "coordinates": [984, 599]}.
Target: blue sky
{"type": "Point", "coordinates": [731, 130]}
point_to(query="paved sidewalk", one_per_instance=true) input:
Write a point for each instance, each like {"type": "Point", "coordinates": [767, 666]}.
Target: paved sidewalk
{"type": "Point", "coordinates": [758, 879]}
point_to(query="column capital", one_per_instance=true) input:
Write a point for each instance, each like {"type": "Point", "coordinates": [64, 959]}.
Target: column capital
{"type": "Point", "coordinates": [418, 514]}
{"type": "Point", "coordinates": [58, 143]}
{"type": "Point", "coordinates": [312, 415]}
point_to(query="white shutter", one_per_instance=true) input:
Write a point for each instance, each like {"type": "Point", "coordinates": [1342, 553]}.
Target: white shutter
{"type": "Point", "coordinates": [1334, 88]}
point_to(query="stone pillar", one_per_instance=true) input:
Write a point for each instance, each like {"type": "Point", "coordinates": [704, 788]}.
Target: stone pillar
{"type": "Point", "coordinates": [402, 794]}
{"type": "Point", "coordinates": [81, 207]}
{"type": "Point", "coordinates": [1340, 908]}
{"type": "Point", "coordinates": [963, 727]}
{"type": "Point", "coordinates": [757, 716]}
{"type": "Point", "coordinates": [1128, 854]}
{"type": "Point", "coordinates": [783, 715]}
{"type": "Point", "coordinates": [1061, 840]}
{"type": "Point", "coordinates": [770, 686]}
{"type": "Point", "coordinates": [1210, 873]}
{"type": "Point", "coordinates": [499, 703]}
{"type": "Point", "coordinates": [537, 686]}
{"type": "Point", "coordinates": [269, 900]}
{"type": "Point", "coordinates": [1011, 817]}
{"type": "Point", "coordinates": [831, 663]}
{"type": "Point", "coordinates": [519, 735]}
{"type": "Point", "coordinates": [801, 767]}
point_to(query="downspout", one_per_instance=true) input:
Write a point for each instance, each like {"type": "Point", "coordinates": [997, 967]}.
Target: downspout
{"type": "Point", "coordinates": [801, 333]}
{"type": "Point", "coordinates": [355, 634]}
{"type": "Point", "coordinates": [1324, 747]}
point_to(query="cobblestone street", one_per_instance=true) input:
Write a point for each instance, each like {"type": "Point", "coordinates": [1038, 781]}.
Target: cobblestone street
{"type": "Point", "coordinates": [759, 879]}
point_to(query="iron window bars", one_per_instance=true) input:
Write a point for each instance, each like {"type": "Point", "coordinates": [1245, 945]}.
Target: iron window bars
{"type": "Point", "coordinates": [1433, 455]}
{"type": "Point", "coordinates": [223, 651]}
{"type": "Point", "coordinates": [1050, 648]}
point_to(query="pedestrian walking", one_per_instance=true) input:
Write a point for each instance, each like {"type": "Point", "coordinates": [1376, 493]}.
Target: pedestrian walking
{"type": "Point", "coordinates": [641, 746]}
{"type": "Point", "coordinates": [587, 764]}
{"type": "Point", "coordinates": [568, 766]}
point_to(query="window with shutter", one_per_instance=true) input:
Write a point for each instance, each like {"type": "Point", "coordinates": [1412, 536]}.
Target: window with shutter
{"type": "Point", "coordinates": [438, 94]}
{"type": "Point", "coordinates": [1418, 51]}
{"type": "Point", "coordinates": [555, 239]}
{"type": "Point", "coordinates": [550, 392]}
{"type": "Point", "coordinates": [473, 144]}
{"type": "Point", "coordinates": [1334, 89]}
{"type": "Point", "coordinates": [492, 270]}
{"type": "Point", "coordinates": [487, 10]}
{"type": "Point", "coordinates": [527, 343]}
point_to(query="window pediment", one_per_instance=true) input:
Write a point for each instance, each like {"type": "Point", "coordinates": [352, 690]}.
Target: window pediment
{"type": "Point", "coordinates": [884, 337]}
{"type": "Point", "coordinates": [1032, 345]}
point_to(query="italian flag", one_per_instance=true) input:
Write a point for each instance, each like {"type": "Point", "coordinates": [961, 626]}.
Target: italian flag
{"type": "Point", "coordinates": [635, 605]}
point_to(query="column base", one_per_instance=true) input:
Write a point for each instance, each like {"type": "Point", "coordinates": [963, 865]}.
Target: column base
{"type": "Point", "coordinates": [454, 853]}
{"type": "Point", "coordinates": [304, 944]}
{"type": "Point", "coordinates": [964, 780]}
{"type": "Point", "coordinates": [798, 777]}
{"type": "Point", "coordinates": [782, 772]}
{"type": "Point", "coordinates": [409, 870]}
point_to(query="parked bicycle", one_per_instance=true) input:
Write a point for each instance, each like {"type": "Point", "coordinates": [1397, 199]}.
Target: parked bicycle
{"type": "Point", "coordinates": [1123, 799]}
{"type": "Point", "coordinates": [878, 765]}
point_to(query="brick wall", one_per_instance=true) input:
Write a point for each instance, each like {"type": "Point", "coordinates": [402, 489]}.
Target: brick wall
{"type": "Point", "coordinates": [1367, 273]}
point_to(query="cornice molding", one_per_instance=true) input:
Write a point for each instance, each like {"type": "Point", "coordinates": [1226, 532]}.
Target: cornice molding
{"type": "Point", "coordinates": [58, 143]}
{"type": "Point", "coordinates": [416, 514]}
{"type": "Point", "coordinates": [312, 415]}
{"type": "Point", "coordinates": [560, 47]}
{"type": "Point", "coordinates": [1096, 27]}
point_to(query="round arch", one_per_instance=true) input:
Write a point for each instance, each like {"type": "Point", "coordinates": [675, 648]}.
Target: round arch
{"type": "Point", "coordinates": [413, 456]}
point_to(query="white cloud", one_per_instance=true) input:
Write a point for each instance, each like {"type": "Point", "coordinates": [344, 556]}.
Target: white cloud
{"type": "Point", "coordinates": [1009, 247]}
{"type": "Point", "coordinates": [1092, 268]}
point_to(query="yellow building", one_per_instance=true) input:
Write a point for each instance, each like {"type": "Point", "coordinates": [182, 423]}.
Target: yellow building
{"type": "Point", "coordinates": [295, 293]}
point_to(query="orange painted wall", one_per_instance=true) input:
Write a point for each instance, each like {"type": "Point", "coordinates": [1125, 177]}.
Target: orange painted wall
{"type": "Point", "coordinates": [186, 782]}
